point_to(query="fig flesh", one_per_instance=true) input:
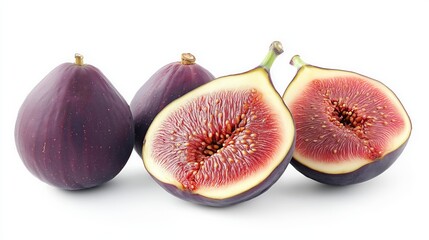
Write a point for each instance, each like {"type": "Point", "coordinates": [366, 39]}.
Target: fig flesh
{"type": "Point", "coordinates": [350, 128]}
{"type": "Point", "coordinates": [225, 142]}
{"type": "Point", "coordinates": [168, 83]}
{"type": "Point", "coordinates": [74, 130]}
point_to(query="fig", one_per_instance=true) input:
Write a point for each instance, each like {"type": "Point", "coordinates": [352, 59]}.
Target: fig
{"type": "Point", "coordinates": [168, 83]}
{"type": "Point", "coordinates": [224, 142]}
{"type": "Point", "coordinates": [74, 130]}
{"type": "Point", "coordinates": [350, 128]}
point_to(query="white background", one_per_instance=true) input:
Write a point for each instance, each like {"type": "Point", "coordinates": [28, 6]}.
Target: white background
{"type": "Point", "coordinates": [130, 40]}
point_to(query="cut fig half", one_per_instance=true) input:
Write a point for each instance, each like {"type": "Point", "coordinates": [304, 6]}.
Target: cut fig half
{"type": "Point", "coordinates": [350, 128]}
{"type": "Point", "coordinates": [224, 142]}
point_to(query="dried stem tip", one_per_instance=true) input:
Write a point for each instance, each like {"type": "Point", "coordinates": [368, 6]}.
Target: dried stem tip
{"type": "Point", "coordinates": [188, 59]}
{"type": "Point", "coordinates": [277, 47]}
{"type": "Point", "coordinates": [78, 59]}
{"type": "Point", "coordinates": [297, 62]}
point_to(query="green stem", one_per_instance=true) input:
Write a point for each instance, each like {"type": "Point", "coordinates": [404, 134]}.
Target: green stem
{"type": "Point", "coordinates": [276, 49]}
{"type": "Point", "coordinates": [297, 62]}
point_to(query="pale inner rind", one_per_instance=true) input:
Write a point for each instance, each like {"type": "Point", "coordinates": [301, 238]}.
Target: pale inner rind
{"type": "Point", "coordinates": [255, 79]}
{"type": "Point", "coordinates": [309, 73]}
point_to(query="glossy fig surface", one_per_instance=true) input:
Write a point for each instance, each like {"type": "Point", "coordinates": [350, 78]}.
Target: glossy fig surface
{"type": "Point", "coordinates": [225, 142]}
{"type": "Point", "coordinates": [74, 130]}
{"type": "Point", "coordinates": [350, 128]}
{"type": "Point", "coordinates": [167, 84]}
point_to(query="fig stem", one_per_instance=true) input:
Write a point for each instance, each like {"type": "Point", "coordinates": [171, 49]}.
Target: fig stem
{"type": "Point", "coordinates": [188, 59]}
{"type": "Point", "coordinates": [276, 49]}
{"type": "Point", "coordinates": [78, 59]}
{"type": "Point", "coordinates": [297, 62]}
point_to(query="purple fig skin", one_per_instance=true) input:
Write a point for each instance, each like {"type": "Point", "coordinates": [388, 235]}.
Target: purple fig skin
{"type": "Point", "coordinates": [167, 84]}
{"type": "Point", "coordinates": [74, 130]}
{"type": "Point", "coordinates": [245, 196]}
{"type": "Point", "coordinates": [360, 175]}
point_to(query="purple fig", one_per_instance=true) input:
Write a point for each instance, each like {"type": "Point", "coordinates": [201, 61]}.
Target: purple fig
{"type": "Point", "coordinates": [167, 84]}
{"type": "Point", "coordinates": [74, 130]}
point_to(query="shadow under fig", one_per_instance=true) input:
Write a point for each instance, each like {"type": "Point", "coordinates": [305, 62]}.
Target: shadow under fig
{"type": "Point", "coordinates": [295, 189]}
{"type": "Point", "coordinates": [134, 182]}
{"type": "Point", "coordinates": [290, 189]}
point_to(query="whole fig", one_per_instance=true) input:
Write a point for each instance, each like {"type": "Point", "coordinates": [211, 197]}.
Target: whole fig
{"type": "Point", "coordinates": [167, 84]}
{"type": "Point", "coordinates": [74, 130]}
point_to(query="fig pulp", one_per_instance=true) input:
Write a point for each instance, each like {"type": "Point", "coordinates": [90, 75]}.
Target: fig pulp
{"type": "Point", "coordinates": [74, 130]}
{"type": "Point", "coordinates": [168, 83]}
{"type": "Point", "coordinates": [224, 142]}
{"type": "Point", "coordinates": [350, 128]}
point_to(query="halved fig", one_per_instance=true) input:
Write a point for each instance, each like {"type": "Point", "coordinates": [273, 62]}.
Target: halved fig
{"type": "Point", "coordinates": [74, 130]}
{"type": "Point", "coordinates": [168, 83]}
{"type": "Point", "coordinates": [224, 142]}
{"type": "Point", "coordinates": [350, 128]}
